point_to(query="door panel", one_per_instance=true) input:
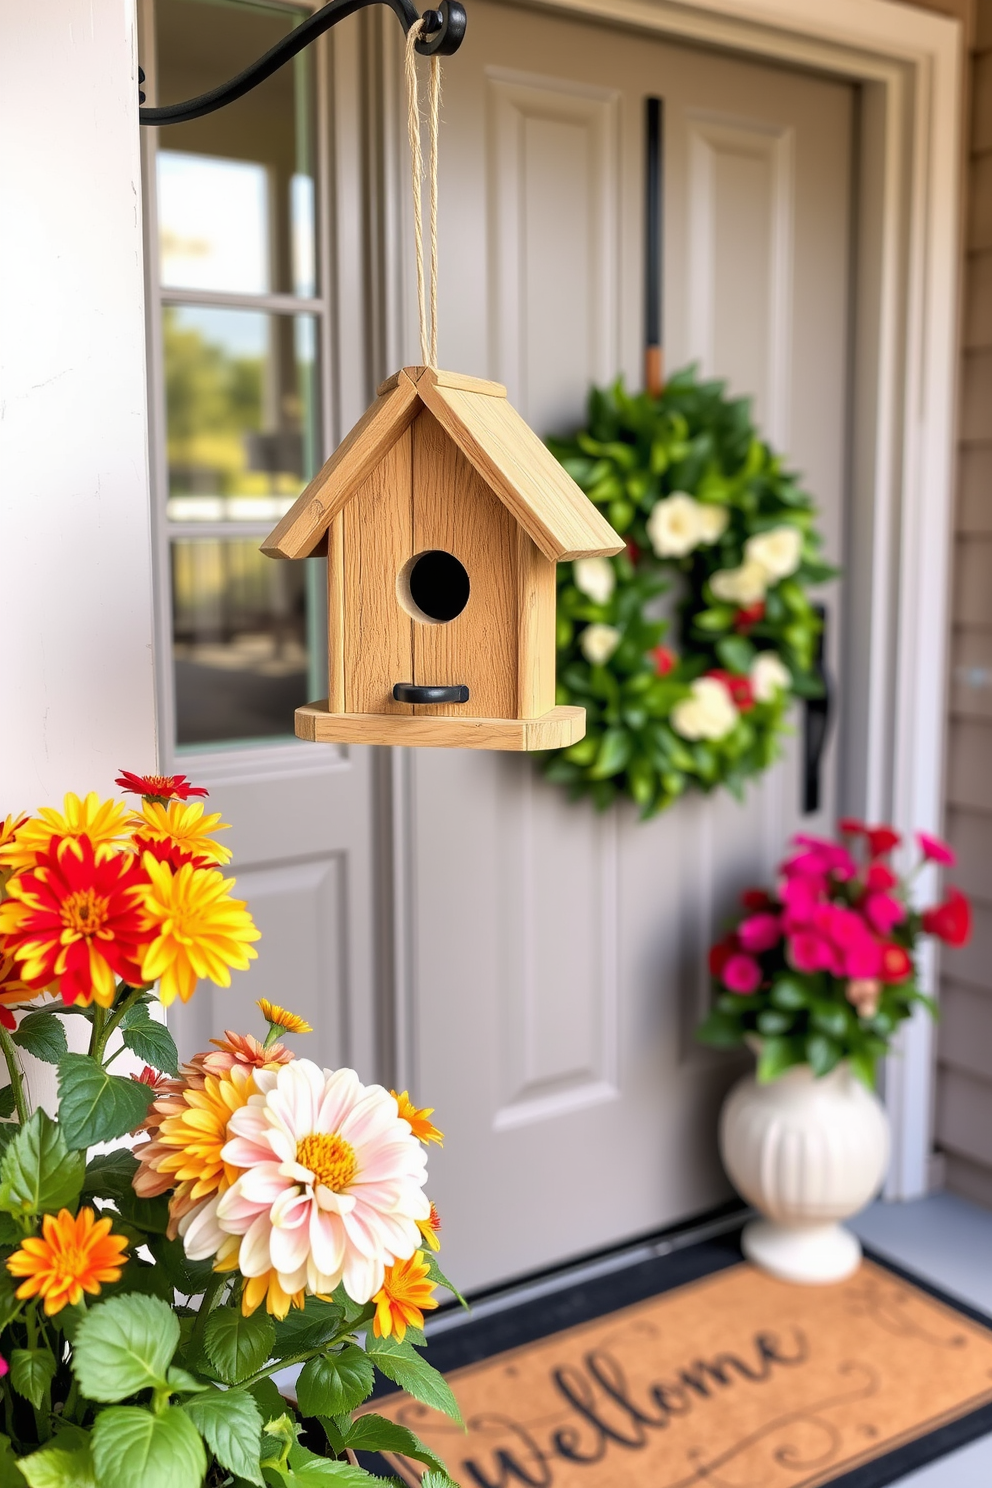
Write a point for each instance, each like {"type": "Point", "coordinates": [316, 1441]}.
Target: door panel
{"type": "Point", "coordinates": [557, 956]}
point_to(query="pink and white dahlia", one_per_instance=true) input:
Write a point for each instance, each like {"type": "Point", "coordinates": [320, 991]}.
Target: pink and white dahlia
{"type": "Point", "coordinates": [332, 1186]}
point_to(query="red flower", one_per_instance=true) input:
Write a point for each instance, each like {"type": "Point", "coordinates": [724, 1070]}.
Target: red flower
{"type": "Point", "coordinates": [633, 552]}
{"type": "Point", "coordinates": [159, 787]}
{"type": "Point", "coordinates": [851, 827]}
{"type": "Point", "coordinates": [935, 850]}
{"type": "Point", "coordinates": [7, 1019]}
{"type": "Point", "coordinates": [167, 850]}
{"type": "Point", "coordinates": [738, 687]}
{"type": "Point", "coordinates": [665, 660]}
{"type": "Point", "coordinates": [721, 953]}
{"type": "Point", "coordinates": [879, 878]}
{"type": "Point", "coordinates": [747, 618]}
{"type": "Point", "coordinates": [756, 899]}
{"type": "Point", "coordinates": [76, 921]}
{"type": "Point", "coordinates": [881, 840]}
{"type": "Point", "coordinates": [951, 921]}
{"type": "Point", "coordinates": [897, 964]}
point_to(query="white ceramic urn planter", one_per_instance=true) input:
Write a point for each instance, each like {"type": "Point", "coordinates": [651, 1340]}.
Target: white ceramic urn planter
{"type": "Point", "coordinates": [807, 1153]}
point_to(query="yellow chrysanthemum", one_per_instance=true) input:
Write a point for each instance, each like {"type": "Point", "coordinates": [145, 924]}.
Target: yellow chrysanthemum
{"type": "Point", "coordinates": [105, 823]}
{"type": "Point", "coordinates": [430, 1228]}
{"type": "Point", "coordinates": [199, 930]}
{"type": "Point", "coordinates": [72, 1255]}
{"type": "Point", "coordinates": [184, 826]}
{"type": "Point", "coordinates": [196, 1131]}
{"type": "Point", "coordinates": [419, 1119]}
{"type": "Point", "coordinates": [405, 1296]}
{"type": "Point", "coordinates": [281, 1018]}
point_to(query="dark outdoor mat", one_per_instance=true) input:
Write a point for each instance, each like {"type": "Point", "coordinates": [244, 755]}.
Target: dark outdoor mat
{"type": "Point", "coordinates": [694, 1368]}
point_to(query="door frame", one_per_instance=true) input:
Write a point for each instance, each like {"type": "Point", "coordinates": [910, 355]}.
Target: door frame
{"type": "Point", "coordinates": [908, 67]}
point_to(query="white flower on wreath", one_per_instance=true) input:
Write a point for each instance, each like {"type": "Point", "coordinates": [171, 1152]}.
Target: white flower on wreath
{"type": "Point", "coordinates": [710, 712]}
{"type": "Point", "coordinates": [595, 577]}
{"type": "Point", "coordinates": [769, 675]}
{"type": "Point", "coordinates": [741, 586]}
{"type": "Point", "coordinates": [778, 551]}
{"type": "Point", "coordinates": [674, 527]}
{"type": "Point", "coordinates": [598, 643]}
{"type": "Point", "coordinates": [713, 521]}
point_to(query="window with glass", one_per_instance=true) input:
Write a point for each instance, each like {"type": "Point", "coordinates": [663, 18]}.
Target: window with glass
{"type": "Point", "coordinates": [241, 335]}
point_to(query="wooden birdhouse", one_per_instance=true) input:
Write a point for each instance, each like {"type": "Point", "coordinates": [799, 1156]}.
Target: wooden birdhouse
{"type": "Point", "coordinates": [442, 516]}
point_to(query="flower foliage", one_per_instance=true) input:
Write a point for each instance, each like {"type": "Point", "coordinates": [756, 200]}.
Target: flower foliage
{"type": "Point", "coordinates": [271, 1212]}
{"type": "Point", "coordinates": [823, 968]}
{"type": "Point", "coordinates": [710, 514]}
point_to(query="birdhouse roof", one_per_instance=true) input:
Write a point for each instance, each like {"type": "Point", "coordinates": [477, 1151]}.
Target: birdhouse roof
{"type": "Point", "coordinates": [492, 436]}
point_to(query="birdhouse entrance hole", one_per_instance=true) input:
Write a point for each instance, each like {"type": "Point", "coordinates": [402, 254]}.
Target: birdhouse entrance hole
{"type": "Point", "coordinates": [434, 587]}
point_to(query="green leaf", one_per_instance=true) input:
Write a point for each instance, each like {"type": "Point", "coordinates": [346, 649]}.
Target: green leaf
{"type": "Point", "coordinates": [6, 1109]}
{"type": "Point", "coordinates": [97, 1107]}
{"type": "Point", "coordinates": [131, 1445]}
{"type": "Point", "coordinates": [614, 752]}
{"type": "Point", "coordinates": [152, 1042]}
{"type": "Point", "coordinates": [401, 1363]}
{"type": "Point", "coordinates": [57, 1467]}
{"type": "Point", "coordinates": [308, 1327]}
{"type": "Point", "coordinates": [862, 1063]}
{"type": "Point", "coordinates": [778, 1055]}
{"type": "Point", "coordinates": [373, 1433]}
{"type": "Point", "coordinates": [181, 1382]}
{"type": "Point", "coordinates": [336, 1383]}
{"type": "Point", "coordinates": [437, 1276]}
{"type": "Point", "coordinates": [772, 1021]}
{"type": "Point", "coordinates": [735, 653]}
{"type": "Point", "coordinates": [109, 1174]}
{"type": "Point", "coordinates": [43, 1035]}
{"type": "Point", "coordinates": [123, 1346]}
{"type": "Point", "coordinates": [435, 1479]}
{"type": "Point", "coordinates": [39, 1175]}
{"type": "Point", "coordinates": [822, 1053]}
{"type": "Point", "coordinates": [790, 992]}
{"type": "Point", "coordinates": [713, 620]}
{"type": "Point", "coordinates": [230, 1424]}
{"type": "Point", "coordinates": [31, 1373]}
{"type": "Point", "coordinates": [236, 1345]}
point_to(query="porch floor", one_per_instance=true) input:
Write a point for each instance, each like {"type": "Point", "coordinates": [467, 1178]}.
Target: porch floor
{"type": "Point", "coordinates": [949, 1242]}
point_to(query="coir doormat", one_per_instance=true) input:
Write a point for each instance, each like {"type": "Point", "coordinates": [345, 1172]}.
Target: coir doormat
{"type": "Point", "coordinates": [729, 1379]}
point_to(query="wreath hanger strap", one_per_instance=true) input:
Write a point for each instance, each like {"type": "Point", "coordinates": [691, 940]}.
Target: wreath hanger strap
{"type": "Point", "coordinates": [428, 330]}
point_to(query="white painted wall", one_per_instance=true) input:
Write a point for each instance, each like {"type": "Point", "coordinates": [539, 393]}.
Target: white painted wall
{"type": "Point", "coordinates": [76, 689]}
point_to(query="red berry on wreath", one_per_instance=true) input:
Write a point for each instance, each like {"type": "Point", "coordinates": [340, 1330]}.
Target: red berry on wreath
{"type": "Point", "coordinates": [665, 660]}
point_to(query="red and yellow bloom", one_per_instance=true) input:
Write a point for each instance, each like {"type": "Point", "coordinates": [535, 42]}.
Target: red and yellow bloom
{"type": "Point", "coordinates": [74, 920]}
{"type": "Point", "coordinates": [181, 828]}
{"type": "Point", "coordinates": [159, 787]}
{"type": "Point", "coordinates": [103, 823]}
{"type": "Point", "coordinates": [72, 1255]}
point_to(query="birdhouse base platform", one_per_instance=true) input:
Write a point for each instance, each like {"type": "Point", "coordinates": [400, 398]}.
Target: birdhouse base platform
{"type": "Point", "coordinates": [554, 730]}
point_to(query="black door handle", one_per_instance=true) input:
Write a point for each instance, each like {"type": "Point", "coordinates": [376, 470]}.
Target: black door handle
{"type": "Point", "coordinates": [816, 723]}
{"type": "Point", "coordinates": [409, 692]}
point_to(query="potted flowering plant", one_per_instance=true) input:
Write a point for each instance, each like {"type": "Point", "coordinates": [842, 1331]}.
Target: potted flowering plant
{"type": "Point", "coordinates": [816, 976]}
{"type": "Point", "coordinates": [258, 1212]}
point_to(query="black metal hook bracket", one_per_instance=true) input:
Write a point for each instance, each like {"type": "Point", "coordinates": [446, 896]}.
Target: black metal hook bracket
{"type": "Point", "coordinates": [443, 32]}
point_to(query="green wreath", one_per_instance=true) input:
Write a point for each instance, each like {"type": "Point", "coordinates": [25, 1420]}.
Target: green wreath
{"type": "Point", "coordinates": [698, 495]}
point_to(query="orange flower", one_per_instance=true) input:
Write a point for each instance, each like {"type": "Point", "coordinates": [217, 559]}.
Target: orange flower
{"type": "Point", "coordinates": [278, 1017]}
{"type": "Point", "coordinates": [419, 1119]}
{"type": "Point", "coordinates": [70, 1257]}
{"type": "Point", "coordinates": [103, 823]}
{"type": "Point", "coordinates": [196, 929]}
{"type": "Point", "coordinates": [430, 1227]}
{"type": "Point", "coordinates": [73, 919]}
{"type": "Point", "coordinates": [242, 1048]}
{"type": "Point", "coordinates": [405, 1296]}
{"type": "Point", "coordinates": [183, 827]}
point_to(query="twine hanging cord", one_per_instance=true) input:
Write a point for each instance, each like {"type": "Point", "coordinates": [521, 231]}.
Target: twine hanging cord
{"type": "Point", "coordinates": [428, 330]}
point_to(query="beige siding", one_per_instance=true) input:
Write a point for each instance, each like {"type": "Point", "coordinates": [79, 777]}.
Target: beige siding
{"type": "Point", "coordinates": [964, 1077]}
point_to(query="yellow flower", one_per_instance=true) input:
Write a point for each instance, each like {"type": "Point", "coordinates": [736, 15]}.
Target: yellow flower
{"type": "Point", "coordinates": [405, 1296]}
{"type": "Point", "coordinates": [419, 1119]}
{"type": "Point", "coordinates": [199, 930]}
{"type": "Point", "coordinates": [191, 1138]}
{"type": "Point", "coordinates": [258, 1289]}
{"type": "Point", "coordinates": [429, 1228]}
{"type": "Point", "coordinates": [105, 823]}
{"type": "Point", "coordinates": [280, 1018]}
{"type": "Point", "coordinates": [70, 1257]}
{"type": "Point", "coordinates": [183, 826]}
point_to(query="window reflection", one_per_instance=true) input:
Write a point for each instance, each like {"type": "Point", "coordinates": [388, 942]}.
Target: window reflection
{"type": "Point", "coordinates": [239, 640]}
{"type": "Point", "coordinates": [213, 220]}
{"type": "Point", "coordinates": [240, 388]}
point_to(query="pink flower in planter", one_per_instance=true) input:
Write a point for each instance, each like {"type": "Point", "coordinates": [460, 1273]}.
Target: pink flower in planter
{"type": "Point", "coordinates": [863, 959]}
{"type": "Point", "coordinates": [809, 951]}
{"type": "Point", "coordinates": [741, 974]}
{"type": "Point", "coordinates": [822, 857]}
{"type": "Point", "coordinates": [936, 851]}
{"type": "Point", "coordinates": [800, 896]}
{"type": "Point", "coordinates": [846, 927]}
{"type": "Point", "coordinates": [760, 932]}
{"type": "Point", "coordinates": [879, 877]}
{"type": "Point", "coordinates": [883, 912]}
